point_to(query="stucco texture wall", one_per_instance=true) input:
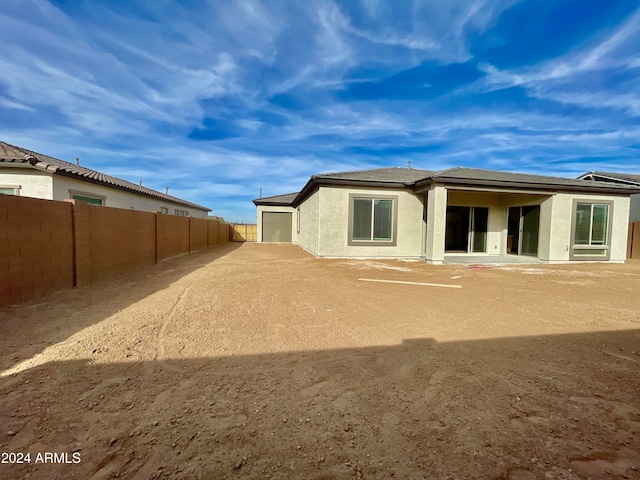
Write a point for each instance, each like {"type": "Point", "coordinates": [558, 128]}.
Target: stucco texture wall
{"type": "Point", "coordinates": [561, 217]}
{"type": "Point", "coordinates": [62, 186]}
{"type": "Point", "coordinates": [307, 237]}
{"type": "Point", "coordinates": [33, 183]}
{"type": "Point", "coordinates": [334, 224]}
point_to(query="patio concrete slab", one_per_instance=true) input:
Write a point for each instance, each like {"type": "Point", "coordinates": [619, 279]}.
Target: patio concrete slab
{"type": "Point", "coordinates": [488, 259]}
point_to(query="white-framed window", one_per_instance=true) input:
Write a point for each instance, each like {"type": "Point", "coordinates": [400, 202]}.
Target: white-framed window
{"type": "Point", "coordinates": [164, 210]}
{"type": "Point", "coordinates": [10, 189]}
{"type": "Point", "coordinates": [181, 213]}
{"type": "Point", "coordinates": [88, 198]}
{"type": "Point", "coordinates": [591, 230]}
{"type": "Point", "coordinates": [372, 219]}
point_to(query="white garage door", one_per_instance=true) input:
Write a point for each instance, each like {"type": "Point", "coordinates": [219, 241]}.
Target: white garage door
{"type": "Point", "coordinates": [276, 226]}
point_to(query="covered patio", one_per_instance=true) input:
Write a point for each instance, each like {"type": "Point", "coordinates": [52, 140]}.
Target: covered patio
{"type": "Point", "coordinates": [483, 259]}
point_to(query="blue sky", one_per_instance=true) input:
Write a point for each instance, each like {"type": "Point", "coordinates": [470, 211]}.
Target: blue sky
{"type": "Point", "coordinates": [216, 99]}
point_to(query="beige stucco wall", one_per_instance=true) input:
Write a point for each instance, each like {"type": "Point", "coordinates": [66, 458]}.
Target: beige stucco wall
{"type": "Point", "coordinates": [560, 226]}
{"type": "Point", "coordinates": [436, 224]}
{"type": "Point", "coordinates": [324, 219]}
{"type": "Point", "coordinates": [263, 208]}
{"type": "Point", "coordinates": [334, 224]}
{"type": "Point", "coordinates": [309, 227]}
{"type": "Point", "coordinates": [117, 198]}
{"type": "Point", "coordinates": [32, 183]}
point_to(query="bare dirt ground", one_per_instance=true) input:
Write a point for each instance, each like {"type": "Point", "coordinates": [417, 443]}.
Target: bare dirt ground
{"type": "Point", "coordinates": [260, 361]}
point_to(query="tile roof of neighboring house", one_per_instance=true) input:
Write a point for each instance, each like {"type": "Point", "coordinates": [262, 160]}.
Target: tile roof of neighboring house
{"type": "Point", "coordinates": [612, 176]}
{"type": "Point", "coordinates": [409, 177]}
{"type": "Point", "coordinates": [12, 154]}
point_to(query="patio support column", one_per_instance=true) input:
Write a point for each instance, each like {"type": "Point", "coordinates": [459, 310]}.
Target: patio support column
{"type": "Point", "coordinates": [436, 224]}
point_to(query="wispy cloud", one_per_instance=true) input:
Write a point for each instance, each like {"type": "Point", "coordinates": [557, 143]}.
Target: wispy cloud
{"type": "Point", "coordinates": [218, 100]}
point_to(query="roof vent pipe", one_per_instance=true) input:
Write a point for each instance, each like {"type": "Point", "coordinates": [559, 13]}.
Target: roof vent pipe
{"type": "Point", "coordinates": [260, 192]}
{"type": "Point", "coordinates": [409, 164]}
{"type": "Point", "coordinates": [166, 190]}
{"type": "Point", "coordinates": [77, 161]}
{"type": "Point", "coordinates": [140, 182]}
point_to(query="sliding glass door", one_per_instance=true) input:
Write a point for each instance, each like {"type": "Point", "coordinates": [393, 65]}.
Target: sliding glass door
{"type": "Point", "coordinates": [523, 227]}
{"type": "Point", "coordinates": [466, 230]}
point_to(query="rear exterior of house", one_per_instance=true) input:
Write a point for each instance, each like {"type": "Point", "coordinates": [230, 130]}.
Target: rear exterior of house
{"type": "Point", "coordinates": [404, 213]}
{"type": "Point", "coordinates": [620, 179]}
{"type": "Point", "coordinates": [31, 174]}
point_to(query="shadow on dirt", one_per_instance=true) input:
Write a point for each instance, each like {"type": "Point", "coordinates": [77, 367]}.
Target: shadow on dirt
{"type": "Point", "coordinates": [563, 406]}
{"type": "Point", "coordinates": [97, 302]}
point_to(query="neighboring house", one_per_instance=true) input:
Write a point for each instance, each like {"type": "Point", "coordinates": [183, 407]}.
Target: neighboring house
{"type": "Point", "coordinates": [621, 179]}
{"type": "Point", "coordinates": [31, 174]}
{"type": "Point", "coordinates": [403, 212]}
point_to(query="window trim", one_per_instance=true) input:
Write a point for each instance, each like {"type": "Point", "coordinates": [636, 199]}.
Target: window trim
{"type": "Point", "coordinates": [607, 245]}
{"type": "Point", "coordinates": [102, 198]}
{"type": "Point", "coordinates": [181, 213]}
{"type": "Point", "coordinates": [164, 210]}
{"type": "Point", "coordinates": [394, 221]}
{"type": "Point", "coordinates": [16, 189]}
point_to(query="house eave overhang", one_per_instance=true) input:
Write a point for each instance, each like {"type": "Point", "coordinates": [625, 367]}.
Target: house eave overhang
{"type": "Point", "coordinates": [258, 203]}
{"type": "Point", "coordinates": [548, 188]}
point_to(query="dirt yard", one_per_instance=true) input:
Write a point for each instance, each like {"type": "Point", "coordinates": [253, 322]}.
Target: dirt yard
{"type": "Point", "coordinates": [260, 361]}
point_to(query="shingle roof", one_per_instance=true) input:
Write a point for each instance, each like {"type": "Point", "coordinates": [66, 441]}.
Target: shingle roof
{"type": "Point", "coordinates": [12, 154]}
{"type": "Point", "coordinates": [623, 177]}
{"type": "Point", "coordinates": [512, 179]}
{"type": "Point", "coordinates": [384, 175]}
{"type": "Point", "coordinates": [283, 200]}
{"type": "Point", "coordinates": [412, 177]}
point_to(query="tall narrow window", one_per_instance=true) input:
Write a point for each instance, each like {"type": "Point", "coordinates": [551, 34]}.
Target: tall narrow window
{"type": "Point", "coordinates": [372, 220]}
{"type": "Point", "coordinates": [591, 224]}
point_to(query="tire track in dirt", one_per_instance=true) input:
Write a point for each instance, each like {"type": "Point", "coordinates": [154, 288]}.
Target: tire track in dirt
{"type": "Point", "coordinates": [170, 314]}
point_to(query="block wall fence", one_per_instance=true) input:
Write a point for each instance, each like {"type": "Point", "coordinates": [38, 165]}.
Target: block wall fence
{"type": "Point", "coordinates": [48, 245]}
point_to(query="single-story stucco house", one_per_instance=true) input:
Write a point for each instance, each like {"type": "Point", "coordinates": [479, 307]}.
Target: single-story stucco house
{"type": "Point", "coordinates": [412, 213]}
{"type": "Point", "coordinates": [31, 174]}
{"type": "Point", "coordinates": [621, 179]}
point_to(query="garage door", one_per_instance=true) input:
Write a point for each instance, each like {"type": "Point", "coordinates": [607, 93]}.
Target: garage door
{"type": "Point", "coordinates": [276, 227]}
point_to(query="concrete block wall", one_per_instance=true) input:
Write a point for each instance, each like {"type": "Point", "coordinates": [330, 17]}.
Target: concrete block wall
{"type": "Point", "coordinates": [112, 241]}
{"type": "Point", "coordinates": [49, 245]}
{"type": "Point", "coordinates": [198, 234]}
{"type": "Point", "coordinates": [223, 233]}
{"type": "Point", "coordinates": [36, 248]}
{"type": "Point", "coordinates": [173, 236]}
{"type": "Point", "coordinates": [212, 237]}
